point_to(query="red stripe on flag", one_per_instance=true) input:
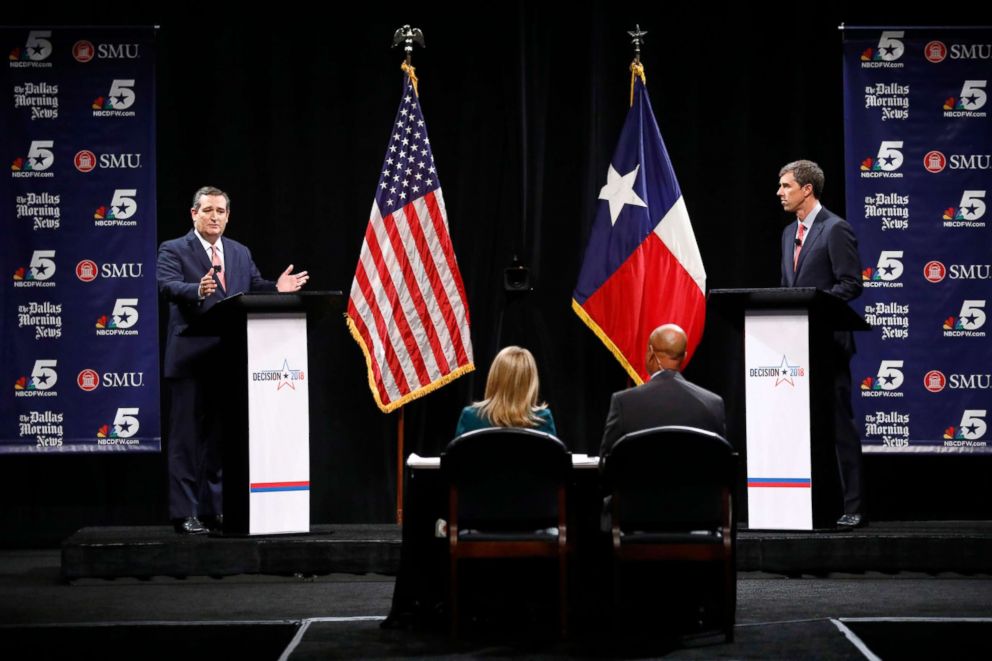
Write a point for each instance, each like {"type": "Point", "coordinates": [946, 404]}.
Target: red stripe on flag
{"type": "Point", "coordinates": [392, 360]}
{"type": "Point", "coordinates": [363, 332]}
{"type": "Point", "coordinates": [413, 286]}
{"type": "Point", "coordinates": [649, 289]}
{"type": "Point", "coordinates": [398, 316]}
{"type": "Point", "coordinates": [441, 229]}
{"type": "Point", "coordinates": [436, 279]}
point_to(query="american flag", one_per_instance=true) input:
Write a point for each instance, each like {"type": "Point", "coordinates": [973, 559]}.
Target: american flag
{"type": "Point", "coordinates": [642, 266]}
{"type": "Point", "coordinates": [407, 309]}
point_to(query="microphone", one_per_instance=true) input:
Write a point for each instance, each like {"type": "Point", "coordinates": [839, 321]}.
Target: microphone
{"type": "Point", "coordinates": [798, 243]}
{"type": "Point", "coordinates": [218, 268]}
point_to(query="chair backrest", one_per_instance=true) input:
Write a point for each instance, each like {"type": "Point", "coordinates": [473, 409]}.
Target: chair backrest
{"type": "Point", "coordinates": [670, 478]}
{"type": "Point", "coordinates": [507, 478]}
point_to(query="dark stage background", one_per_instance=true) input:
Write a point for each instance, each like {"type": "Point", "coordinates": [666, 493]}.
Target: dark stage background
{"type": "Point", "coordinates": [290, 114]}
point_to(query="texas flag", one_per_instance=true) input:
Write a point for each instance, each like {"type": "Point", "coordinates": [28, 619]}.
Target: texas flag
{"type": "Point", "coordinates": [642, 266]}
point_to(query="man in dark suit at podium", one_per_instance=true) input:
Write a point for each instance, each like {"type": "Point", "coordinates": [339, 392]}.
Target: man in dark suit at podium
{"type": "Point", "coordinates": [194, 273]}
{"type": "Point", "coordinates": [666, 398]}
{"type": "Point", "coordinates": [820, 250]}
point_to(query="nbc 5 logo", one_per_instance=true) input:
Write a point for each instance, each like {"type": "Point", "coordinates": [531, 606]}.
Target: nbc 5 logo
{"type": "Point", "coordinates": [124, 204]}
{"type": "Point", "coordinates": [972, 424]}
{"type": "Point", "coordinates": [125, 312]}
{"type": "Point", "coordinates": [890, 375]}
{"type": "Point", "coordinates": [126, 423]}
{"type": "Point", "coordinates": [889, 265]}
{"type": "Point", "coordinates": [972, 205]}
{"type": "Point", "coordinates": [890, 46]}
{"type": "Point", "coordinates": [38, 47]}
{"type": "Point", "coordinates": [44, 376]}
{"type": "Point", "coordinates": [972, 315]}
{"type": "Point", "coordinates": [889, 155]}
{"type": "Point", "coordinates": [121, 94]}
{"type": "Point", "coordinates": [973, 96]}
{"type": "Point", "coordinates": [42, 264]}
{"type": "Point", "coordinates": [40, 154]}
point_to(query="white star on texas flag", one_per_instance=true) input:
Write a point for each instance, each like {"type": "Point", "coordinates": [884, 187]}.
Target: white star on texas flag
{"type": "Point", "coordinates": [619, 190]}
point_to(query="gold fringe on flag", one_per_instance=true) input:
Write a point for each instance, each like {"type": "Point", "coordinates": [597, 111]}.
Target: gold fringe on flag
{"type": "Point", "coordinates": [409, 397]}
{"type": "Point", "coordinates": [605, 339]}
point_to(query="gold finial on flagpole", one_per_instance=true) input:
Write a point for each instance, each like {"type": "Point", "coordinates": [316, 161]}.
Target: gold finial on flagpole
{"type": "Point", "coordinates": [409, 36]}
{"type": "Point", "coordinates": [636, 68]}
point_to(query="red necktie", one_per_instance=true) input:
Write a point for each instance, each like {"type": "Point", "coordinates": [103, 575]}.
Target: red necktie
{"type": "Point", "coordinates": [799, 246]}
{"type": "Point", "coordinates": [215, 260]}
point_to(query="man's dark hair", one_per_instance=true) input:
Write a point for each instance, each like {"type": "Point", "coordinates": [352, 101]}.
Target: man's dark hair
{"type": "Point", "coordinates": [210, 190]}
{"type": "Point", "coordinates": [805, 172]}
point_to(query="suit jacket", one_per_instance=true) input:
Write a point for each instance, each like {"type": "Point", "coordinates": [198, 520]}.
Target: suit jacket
{"type": "Point", "coordinates": [181, 264]}
{"type": "Point", "coordinates": [829, 261]}
{"type": "Point", "coordinates": [470, 420]}
{"type": "Point", "coordinates": [667, 399]}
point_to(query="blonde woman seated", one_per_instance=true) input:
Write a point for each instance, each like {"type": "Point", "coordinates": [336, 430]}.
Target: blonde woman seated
{"type": "Point", "coordinates": [511, 397]}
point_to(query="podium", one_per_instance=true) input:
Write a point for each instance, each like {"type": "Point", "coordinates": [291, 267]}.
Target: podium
{"type": "Point", "coordinates": [262, 387]}
{"type": "Point", "coordinates": [785, 374]}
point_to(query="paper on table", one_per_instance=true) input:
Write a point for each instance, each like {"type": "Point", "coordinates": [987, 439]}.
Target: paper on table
{"type": "Point", "coordinates": [416, 461]}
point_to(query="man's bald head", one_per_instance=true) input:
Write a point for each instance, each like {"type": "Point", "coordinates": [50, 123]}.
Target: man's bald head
{"type": "Point", "coordinates": [666, 348]}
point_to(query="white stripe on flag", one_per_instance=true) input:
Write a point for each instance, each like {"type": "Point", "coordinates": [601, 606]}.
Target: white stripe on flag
{"type": "Point", "coordinates": [378, 349]}
{"type": "Point", "coordinates": [441, 263]}
{"type": "Point", "coordinates": [675, 232]}
{"type": "Point", "coordinates": [382, 302]}
{"type": "Point", "coordinates": [406, 306]}
{"type": "Point", "coordinates": [425, 292]}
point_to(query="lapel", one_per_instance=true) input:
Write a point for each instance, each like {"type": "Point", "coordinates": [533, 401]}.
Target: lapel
{"type": "Point", "coordinates": [810, 241]}
{"type": "Point", "coordinates": [197, 254]}
{"type": "Point", "coordinates": [788, 248]}
{"type": "Point", "coordinates": [232, 260]}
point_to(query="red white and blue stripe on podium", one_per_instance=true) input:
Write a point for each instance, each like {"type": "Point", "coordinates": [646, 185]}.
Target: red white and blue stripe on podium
{"type": "Point", "coordinates": [269, 487]}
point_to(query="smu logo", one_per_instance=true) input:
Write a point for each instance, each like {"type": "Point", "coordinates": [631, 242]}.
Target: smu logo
{"type": "Point", "coordinates": [934, 380]}
{"type": "Point", "coordinates": [87, 270]}
{"type": "Point", "coordinates": [89, 380]}
{"type": "Point", "coordinates": [934, 271]}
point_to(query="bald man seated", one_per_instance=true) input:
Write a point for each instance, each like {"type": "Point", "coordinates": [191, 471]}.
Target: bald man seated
{"type": "Point", "coordinates": [666, 398]}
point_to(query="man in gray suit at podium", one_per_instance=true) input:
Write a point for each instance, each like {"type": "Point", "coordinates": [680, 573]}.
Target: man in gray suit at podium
{"type": "Point", "coordinates": [820, 250]}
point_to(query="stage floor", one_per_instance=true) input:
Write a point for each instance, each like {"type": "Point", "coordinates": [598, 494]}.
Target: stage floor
{"type": "Point", "coordinates": [920, 546]}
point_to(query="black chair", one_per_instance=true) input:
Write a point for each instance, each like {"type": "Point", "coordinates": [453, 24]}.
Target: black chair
{"type": "Point", "coordinates": [507, 490]}
{"type": "Point", "coordinates": [671, 499]}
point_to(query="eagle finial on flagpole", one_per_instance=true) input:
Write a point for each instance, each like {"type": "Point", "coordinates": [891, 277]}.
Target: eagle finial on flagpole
{"type": "Point", "coordinates": [409, 36]}
{"type": "Point", "coordinates": [636, 68]}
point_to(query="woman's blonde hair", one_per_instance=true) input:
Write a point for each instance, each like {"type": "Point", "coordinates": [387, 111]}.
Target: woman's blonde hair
{"type": "Point", "coordinates": [511, 390]}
